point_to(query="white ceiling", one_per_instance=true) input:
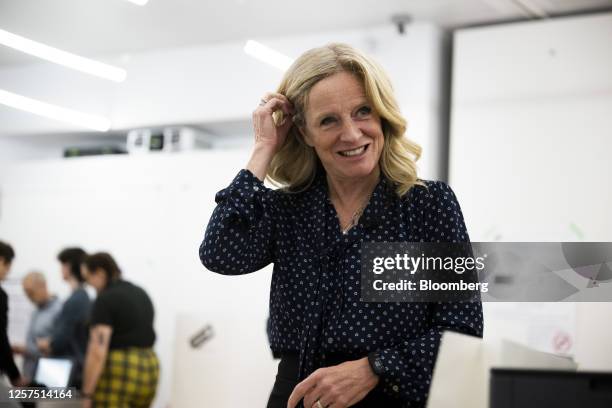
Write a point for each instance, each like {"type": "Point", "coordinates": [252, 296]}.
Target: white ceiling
{"type": "Point", "coordinates": [106, 27]}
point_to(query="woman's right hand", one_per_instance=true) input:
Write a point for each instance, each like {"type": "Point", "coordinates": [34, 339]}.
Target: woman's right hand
{"type": "Point", "coordinates": [267, 133]}
{"type": "Point", "coordinates": [269, 137]}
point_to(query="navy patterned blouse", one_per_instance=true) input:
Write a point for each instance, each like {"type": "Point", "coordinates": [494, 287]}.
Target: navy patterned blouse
{"type": "Point", "coordinates": [315, 307]}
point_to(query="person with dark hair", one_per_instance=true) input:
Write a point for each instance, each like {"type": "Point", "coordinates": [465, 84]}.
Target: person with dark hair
{"type": "Point", "coordinates": [7, 363]}
{"type": "Point", "coordinates": [121, 368]}
{"type": "Point", "coordinates": [70, 331]}
{"type": "Point", "coordinates": [71, 260]}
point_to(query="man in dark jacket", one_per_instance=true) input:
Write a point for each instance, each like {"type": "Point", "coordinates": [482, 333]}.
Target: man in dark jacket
{"type": "Point", "coordinates": [7, 363]}
{"type": "Point", "coordinates": [71, 332]}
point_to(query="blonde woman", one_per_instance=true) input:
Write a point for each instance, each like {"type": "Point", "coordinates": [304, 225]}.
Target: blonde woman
{"type": "Point", "coordinates": [333, 137]}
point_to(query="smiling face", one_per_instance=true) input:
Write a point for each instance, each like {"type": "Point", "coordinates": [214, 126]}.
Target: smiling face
{"type": "Point", "coordinates": [343, 128]}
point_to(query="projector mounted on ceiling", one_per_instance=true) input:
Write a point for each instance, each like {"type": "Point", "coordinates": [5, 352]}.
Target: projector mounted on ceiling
{"type": "Point", "coordinates": [168, 139]}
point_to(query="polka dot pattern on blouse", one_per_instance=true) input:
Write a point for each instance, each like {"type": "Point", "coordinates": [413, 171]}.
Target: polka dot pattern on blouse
{"type": "Point", "coordinates": [315, 307]}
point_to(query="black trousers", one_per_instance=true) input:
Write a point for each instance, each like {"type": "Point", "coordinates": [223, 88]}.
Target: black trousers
{"type": "Point", "coordinates": [286, 382]}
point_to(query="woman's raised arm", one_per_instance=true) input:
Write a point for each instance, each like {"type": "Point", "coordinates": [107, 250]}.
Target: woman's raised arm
{"type": "Point", "coordinates": [240, 235]}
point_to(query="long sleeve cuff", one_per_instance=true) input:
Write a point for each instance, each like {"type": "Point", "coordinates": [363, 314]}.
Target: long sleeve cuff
{"type": "Point", "coordinates": [245, 198]}
{"type": "Point", "coordinates": [407, 368]}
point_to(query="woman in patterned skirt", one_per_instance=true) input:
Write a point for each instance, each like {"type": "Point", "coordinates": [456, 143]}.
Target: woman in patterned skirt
{"type": "Point", "coordinates": [121, 368]}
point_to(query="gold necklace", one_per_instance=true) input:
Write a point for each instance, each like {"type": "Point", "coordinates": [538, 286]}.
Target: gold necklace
{"type": "Point", "coordinates": [356, 215]}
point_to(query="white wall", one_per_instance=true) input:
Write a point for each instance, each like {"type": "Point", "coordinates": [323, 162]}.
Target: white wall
{"type": "Point", "coordinates": [530, 153]}
{"type": "Point", "coordinates": [150, 212]}
{"type": "Point", "coordinates": [12, 150]}
{"type": "Point", "coordinates": [220, 82]}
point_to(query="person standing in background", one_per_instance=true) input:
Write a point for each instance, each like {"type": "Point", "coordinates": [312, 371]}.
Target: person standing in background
{"type": "Point", "coordinates": [7, 363]}
{"type": "Point", "coordinates": [41, 320]}
{"type": "Point", "coordinates": [121, 368]}
{"type": "Point", "coordinates": [70, 331]}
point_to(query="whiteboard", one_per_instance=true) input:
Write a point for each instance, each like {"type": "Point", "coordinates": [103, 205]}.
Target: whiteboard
{"type": "Point", "coordinates": [530, 150]}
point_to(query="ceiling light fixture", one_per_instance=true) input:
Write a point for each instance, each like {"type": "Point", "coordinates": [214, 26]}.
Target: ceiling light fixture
{"type": "Point", "coordinates": [54, 112]}
{"type": "Point", "coordinates": [58, 56]}
{"type": "Point", "coordinates": [267, 55]}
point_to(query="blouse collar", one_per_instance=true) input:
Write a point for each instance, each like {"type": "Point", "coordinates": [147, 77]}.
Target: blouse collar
{"type": "Point", "coordinates": [382, 198]}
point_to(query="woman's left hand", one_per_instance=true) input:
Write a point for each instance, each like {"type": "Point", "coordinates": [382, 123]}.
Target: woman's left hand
{"type": "Point", "coordinates": [341, 385]}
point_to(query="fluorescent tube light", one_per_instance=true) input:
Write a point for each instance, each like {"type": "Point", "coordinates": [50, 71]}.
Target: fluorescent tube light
{"type": "Point", "coordinates": [267, 55]}
{"type": "Point", "coordinates": [139, 2]}
{"type": "Point", "coordinates": [54, 112]}
{"type": "Point", "coordinates": [62, 57]}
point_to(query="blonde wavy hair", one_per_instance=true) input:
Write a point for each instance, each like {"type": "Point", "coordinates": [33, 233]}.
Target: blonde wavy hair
{"type": "Point", "coordinates": [296, 164]}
